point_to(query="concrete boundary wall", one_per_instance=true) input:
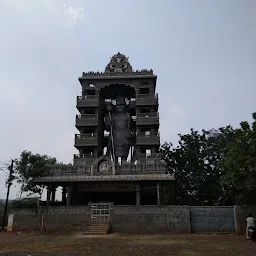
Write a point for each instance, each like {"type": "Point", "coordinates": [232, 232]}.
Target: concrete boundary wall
{"type": "Point", "coordinates": [213, 219]}
{"type": "Point", "coordinates": [137, 219]}
{"type": "Point", "coordinates": [151, 219]}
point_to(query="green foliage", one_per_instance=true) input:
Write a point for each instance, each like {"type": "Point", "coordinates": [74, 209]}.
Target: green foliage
{"type": "Point", "coordinates": [239, 165]}
{"type": "Point", "coordinates": [30, 166]}
{"type": "Point", "coordinates": [27, 203]}
{"type": "Point", "coordinates": [215, 166]}
{"type": "Point", "coordinates": [194, 162]}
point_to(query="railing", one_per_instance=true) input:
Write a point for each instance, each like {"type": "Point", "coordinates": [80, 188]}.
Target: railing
{"type": "Point", "coordinates": [146, 99]}
{"type": "Point", "coordinates": [89, 139]}
{"type": "Point", "coordinates": [84, 156]}
{"type": "Point", "coordinates": [149, 155]}
{"type": "Point", "coordinates": [152, 138]}
{"type": "Point", "coordinates": [154, 166]}
{"type": "Point", "coordinates": [70, 170]}
{"type": "Point", "coordinates": [148, 115]}
{"type": "Point", "coordinates": [87, 119]}
{"type": "Point", "coordinates": [146, 166]}
{"type": "Point", "coordinates": [147, 118]}
{"type": "Point", "coordinates": [88, 101]}
{"type": "Point", "coordinates": [148, 134]}
{"type": "Point", "coordinates": [86, 135]}
{"type": "Point", "coordinates": [84, 159]}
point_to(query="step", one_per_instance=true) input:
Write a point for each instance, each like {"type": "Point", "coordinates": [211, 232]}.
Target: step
{"type": "Point", "coordinates": [94, 233]}
{"type": "Point", "coordinates": [97, 229]}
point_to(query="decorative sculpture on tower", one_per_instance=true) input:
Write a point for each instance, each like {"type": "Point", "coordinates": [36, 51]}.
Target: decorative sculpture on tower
{"type": "Point", "coordinates": [118, 123]}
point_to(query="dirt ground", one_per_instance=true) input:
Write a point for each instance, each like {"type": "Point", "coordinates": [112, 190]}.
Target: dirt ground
{"type": "Point", "coordinates": [34, 244]}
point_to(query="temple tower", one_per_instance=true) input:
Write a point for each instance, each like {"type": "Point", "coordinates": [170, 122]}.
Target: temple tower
{"type": "Point", "coordinates": [99, 92]}
{"type": "Point", "coordinates": [118, 142]}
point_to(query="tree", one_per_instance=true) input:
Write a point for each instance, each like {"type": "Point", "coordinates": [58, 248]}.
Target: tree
{"type": "Point", "coordinates": [30, 166]}
{"type": "Point", "coordinates": [194, 162]}
{"type": "Point", "coordinates": [239, 164]}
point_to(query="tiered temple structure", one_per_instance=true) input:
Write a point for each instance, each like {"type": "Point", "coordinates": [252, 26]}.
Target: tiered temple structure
{"type": "Point", "coordinates": [118, 142]}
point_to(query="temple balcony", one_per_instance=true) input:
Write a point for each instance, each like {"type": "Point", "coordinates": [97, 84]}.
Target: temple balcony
{"type": "Point", "coordinates": [88, 139]}
{"type": "Point", "coordinates": [86, 120]}
{"type": "Point", "coordinates": [149, 155]}
{"type": "Point", "coordinates": [87, 101]}
{"type": "Point", "coordinates": [147, 100]}
{"type": "Point", "coordinates": [143, 166]}
{"type": "Point", "coordinates": [81, 159]}
{"type": "Point", "coordinates": [144, 138]}
{"type": "Point", "coordinates": [147, 118]}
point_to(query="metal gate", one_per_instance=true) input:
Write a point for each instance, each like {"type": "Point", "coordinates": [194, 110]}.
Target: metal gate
{"type": "Point", "coordinates": [100, 213]}
{"type": "Point", "coordinates": [212, 219]}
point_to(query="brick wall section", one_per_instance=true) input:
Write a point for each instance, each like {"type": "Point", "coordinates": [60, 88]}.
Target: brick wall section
{"type": "Point", "coordinates": [65, 218]}
{"type": "Point", "coordinates": [150, 219]}
{"type": "Point", "coordinates": [25, 219]}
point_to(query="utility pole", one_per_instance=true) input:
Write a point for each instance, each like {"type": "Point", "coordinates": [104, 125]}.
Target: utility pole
{"type": "Point", "coordinates": [8, 191]}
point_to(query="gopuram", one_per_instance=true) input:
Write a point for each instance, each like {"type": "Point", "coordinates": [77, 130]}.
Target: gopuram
{"type": "Point", "coordinates": [118, 142]}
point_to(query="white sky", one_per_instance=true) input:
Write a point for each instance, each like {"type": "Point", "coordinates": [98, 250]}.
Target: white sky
{"type": "Point", "coordinates": [203, 52]}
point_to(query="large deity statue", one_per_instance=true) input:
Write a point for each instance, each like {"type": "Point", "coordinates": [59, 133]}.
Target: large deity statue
{"type": "Point", "coordinates": [118, 124]}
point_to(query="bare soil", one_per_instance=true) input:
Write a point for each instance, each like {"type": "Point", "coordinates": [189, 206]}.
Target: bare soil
{"type": "Point", "coordinates": [37, 244]}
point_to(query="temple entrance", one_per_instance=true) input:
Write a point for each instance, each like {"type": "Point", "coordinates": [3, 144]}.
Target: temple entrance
{"type": "Point", "coordinates": [100, 213]}
{"type": "Point", "coordinates": [100, 219]}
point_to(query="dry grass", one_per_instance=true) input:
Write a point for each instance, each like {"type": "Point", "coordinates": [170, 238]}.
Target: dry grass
{"type": "Point", "coordinates": [116, 244]}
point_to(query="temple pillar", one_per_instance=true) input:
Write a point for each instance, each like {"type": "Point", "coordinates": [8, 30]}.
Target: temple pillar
{"type": "Point", "coordinates": [53, 192]}
{"type": "Point", "coordinates": [138, 194]}
{"type": "Point", "coordinates": [69, 195]}
{"type": "Point", "coordinates": [158, 191]}
{"type": "Point", "coordinates": [64, 192]}
{"type": "Point", "coordinates": [48, 195]}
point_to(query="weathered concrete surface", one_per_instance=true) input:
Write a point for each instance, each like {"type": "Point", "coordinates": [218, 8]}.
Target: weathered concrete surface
{"type": "Point", "coordinates": [124, 219]}
{"type": "Point", "coordinates": [212, 219]}
{"type": "Point", "coordinates": [150, 219]}
{"type": "Point", "coordinates": [133, 219]}
{"type": "Point", "coordinates": [65, 218]}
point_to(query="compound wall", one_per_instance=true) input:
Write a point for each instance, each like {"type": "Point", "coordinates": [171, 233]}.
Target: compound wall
{"type": "Point", "coordinates": [151, 219]}
{"type": "Point", "coordinates": [137, 219]}
{"type": "Point", "coordinates": [212, 219]}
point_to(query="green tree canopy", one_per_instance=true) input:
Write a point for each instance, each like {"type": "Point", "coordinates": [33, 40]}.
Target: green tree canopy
{"type": "Point", "coordinates": [30, 166]}
{"type": "Point", "coordinates": [194, 162]}
{"type": "Point", "coordinates": [215, 166]}
{"type": "Point", "coordinates": [239, 164]}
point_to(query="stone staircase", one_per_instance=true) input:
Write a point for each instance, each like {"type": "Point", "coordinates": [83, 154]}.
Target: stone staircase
{"type": "Point", "coordinates": [97, 229]}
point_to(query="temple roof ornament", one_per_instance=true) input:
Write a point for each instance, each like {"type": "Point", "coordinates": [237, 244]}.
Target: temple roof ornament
{"type": "Point", "coordinates": [118, 66]}
{"type": "Point", "coordinates": [119, 63]}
